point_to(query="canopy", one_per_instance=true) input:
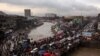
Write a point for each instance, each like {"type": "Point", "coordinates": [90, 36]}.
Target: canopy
{"type": "Point", "coordinates": [87, 34]}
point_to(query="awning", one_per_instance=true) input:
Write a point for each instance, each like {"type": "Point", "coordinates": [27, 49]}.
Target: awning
{"type": "Point", "coordinates": [87, 34]}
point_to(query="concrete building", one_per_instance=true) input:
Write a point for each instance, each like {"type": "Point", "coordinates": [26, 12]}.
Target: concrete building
{"type": "Point", "coordinates": [10, 21]}
{"type": "Point", "coordinates": [98, 17]}
{"type": "Point", "coordinates": [2, 13]}
{"type": "Point", "coordinates": [16, 22]}
{"type": "Point", "coordinates": [27, 12]}
{"type": "Point", "coordinates": [50, 15]}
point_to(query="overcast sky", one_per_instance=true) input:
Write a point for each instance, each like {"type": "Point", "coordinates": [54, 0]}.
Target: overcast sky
{"type": "Point", "coordinates": [60, 7]}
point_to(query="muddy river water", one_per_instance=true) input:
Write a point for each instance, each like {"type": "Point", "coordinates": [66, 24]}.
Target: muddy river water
{"type": "Point", "coordinates": [42, 31]}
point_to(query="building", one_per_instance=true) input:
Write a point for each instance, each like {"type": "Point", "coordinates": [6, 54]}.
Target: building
{"type": "Point", "coordinates": [27, 12]}
{"type": "Point", "coordinates": [16, 22]}
{"type": "Point", "coordinates": [99, 15]}
{"type": "Point", "coordinates": [11, 21]}
{"type": "Point", "coordinates": [51, 15]}
{"type": "Point", "coordinates": [2, 13]}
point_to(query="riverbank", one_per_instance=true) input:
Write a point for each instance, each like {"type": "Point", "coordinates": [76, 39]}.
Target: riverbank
{"type": "Point", "coordinates": [13, 41]}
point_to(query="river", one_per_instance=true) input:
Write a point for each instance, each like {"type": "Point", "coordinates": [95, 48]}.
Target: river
{"type": "Point", "coordinates": [40, 32]}
{"type": "Point", "coordinates": [83, 51]}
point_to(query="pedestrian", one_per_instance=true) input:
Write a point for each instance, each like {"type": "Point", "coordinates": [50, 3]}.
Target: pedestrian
{"type": "Point", "coordinates": [53, 54]}
{"type": "Point", "coordinates": [41, 52]}
{"type": "Point", "coordinates": [47, 53]}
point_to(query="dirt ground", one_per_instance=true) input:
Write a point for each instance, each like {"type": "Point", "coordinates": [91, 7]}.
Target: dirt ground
{"type": "Point", "coordinates": [86, 52]}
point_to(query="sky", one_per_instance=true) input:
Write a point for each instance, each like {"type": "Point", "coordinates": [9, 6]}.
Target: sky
{"type": "Point", "coordinates": [59, 7]}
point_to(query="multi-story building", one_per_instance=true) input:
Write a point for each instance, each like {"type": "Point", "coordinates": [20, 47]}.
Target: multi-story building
{"type": "Point", "coordinates": [27, 12]}
{"type": "Point", "coordinates": [10, 21]}
{"type": "Point", "coordinates": [50, 15]}
{"type": "Point", "coordinates": [15, 22]}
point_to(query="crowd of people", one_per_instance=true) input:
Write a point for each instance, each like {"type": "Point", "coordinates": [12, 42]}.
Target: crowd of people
{"type": "Point", "coordinates": [18, 44]}
{"type": "Point", "coordinates": [10, 41]}
{"type": "Point", "coordinates": [59, 45]}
